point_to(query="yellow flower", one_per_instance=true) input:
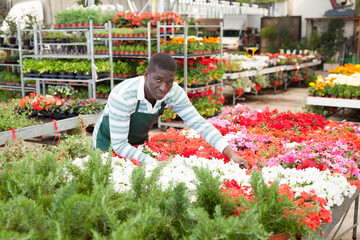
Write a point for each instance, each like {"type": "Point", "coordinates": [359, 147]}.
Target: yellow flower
{"type": "Point", "coordinates": [318, 77]}
{"type": "Point", "coordinates": [312, 84]}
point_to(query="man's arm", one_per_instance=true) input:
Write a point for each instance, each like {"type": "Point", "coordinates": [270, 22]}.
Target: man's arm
{"type": "Point", "coordinates": [119, 123]}
{"type": "Point", "coordinates": [191, 117]}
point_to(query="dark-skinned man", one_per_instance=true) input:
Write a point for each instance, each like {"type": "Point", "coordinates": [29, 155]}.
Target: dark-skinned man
{"type": "Point", "coordinates": [135, 104]}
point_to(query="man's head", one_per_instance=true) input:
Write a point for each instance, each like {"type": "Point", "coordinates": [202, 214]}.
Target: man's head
{"type": "Point", "coordinates": [159, 76]}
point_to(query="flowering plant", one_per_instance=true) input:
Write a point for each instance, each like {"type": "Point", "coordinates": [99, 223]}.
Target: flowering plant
{"type": "Point", "coordinates": [168, 113]}
{"type": "Point", "coordinates": [206, 103]}
{"type": "Point", "coordinates": [61, 90]}
{"type": "Point", "coordinates": [136, 19]}
{"type": "Point", "coordinates": [51, 104]}
{"type": "Point", "coordinates": [279, 210]}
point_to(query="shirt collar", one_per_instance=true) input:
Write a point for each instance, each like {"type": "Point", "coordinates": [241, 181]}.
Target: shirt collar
{"type": "Point", "coordinates": [141, 90]}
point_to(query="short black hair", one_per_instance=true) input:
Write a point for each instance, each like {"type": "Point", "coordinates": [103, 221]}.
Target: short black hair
{"type": "Point", "coordinates": [163, 61]}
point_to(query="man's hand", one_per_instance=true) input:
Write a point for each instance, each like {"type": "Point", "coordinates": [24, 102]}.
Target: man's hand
{"type": "Point", "coordinates": [236, 158]}
{"type": "Point", "coordinates": [241, 161]}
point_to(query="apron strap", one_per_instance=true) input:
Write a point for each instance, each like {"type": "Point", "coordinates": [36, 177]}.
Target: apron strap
{"type": "Point", "coordinates": [137, 106]}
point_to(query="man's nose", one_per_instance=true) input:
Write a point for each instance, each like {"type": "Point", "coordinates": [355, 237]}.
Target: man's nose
{"type": "Point", "coordinates": [163, 87]}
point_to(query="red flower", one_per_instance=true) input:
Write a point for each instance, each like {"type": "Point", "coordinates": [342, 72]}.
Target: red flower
{"type": "Point", "coordinates": [239, 91]}
{"type": "Point", "coordinates": [204, 70]}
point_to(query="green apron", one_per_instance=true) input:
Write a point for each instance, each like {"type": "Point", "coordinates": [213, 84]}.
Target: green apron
{"type": "Point", "coordinates": [140, 125]}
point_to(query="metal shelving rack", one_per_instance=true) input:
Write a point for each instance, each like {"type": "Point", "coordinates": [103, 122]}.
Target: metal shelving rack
{"type": "Point", "coordinates": [186, 56]}
{"type": "Point", "coordinates": [38, 49]}
{"type": "Point", "coordinates": [12, 65]}
{"type": "Point", "coordinates": [110, 40]}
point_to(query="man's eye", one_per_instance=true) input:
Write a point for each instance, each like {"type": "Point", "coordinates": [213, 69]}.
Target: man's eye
{"type": "Point", "coordinates": [158, 80]}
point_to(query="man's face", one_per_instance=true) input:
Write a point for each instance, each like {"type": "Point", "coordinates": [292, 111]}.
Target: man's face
{"type": "Point", "coordinates": [158, 83]}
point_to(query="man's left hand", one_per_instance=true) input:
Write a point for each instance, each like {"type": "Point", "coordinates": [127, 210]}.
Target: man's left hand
{"type": "Point", "coordinates": [241, 161]}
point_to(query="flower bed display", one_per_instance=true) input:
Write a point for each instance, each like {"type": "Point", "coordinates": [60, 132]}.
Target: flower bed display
{"type": "Point", "coordinates": [336, 86]}
{"type": "Point", "coordinates": [302, 168]}
{"type": "Point", "coordinates": [136, 19]}
{"type": "Point", "coordinates": [195, 45]}
{"type": "Point", "coordinates": [315, 161]}
{"type": "Point", "coordinates": [53, 107]}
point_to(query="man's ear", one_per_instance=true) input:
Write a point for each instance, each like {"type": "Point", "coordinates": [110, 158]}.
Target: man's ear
{"type": "Point", "coordinates": [146, 74]}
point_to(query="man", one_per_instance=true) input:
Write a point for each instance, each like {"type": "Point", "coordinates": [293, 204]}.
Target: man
{"type": "Point", "coordinates": [135, 105]}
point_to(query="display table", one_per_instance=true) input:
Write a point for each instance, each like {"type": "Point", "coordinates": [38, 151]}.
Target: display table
{"type": "Point", "coordinates": [229, 77]}
{"type": "Point", "coordinates": [48, 128]}
{"type": "Point", "coordinates": [339, 213]}
{"type": "Point", "coordinates": [333, 102]}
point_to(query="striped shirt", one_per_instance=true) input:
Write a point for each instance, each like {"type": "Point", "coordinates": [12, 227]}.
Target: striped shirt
{"type": "Point", "coordinates": [122, 103]}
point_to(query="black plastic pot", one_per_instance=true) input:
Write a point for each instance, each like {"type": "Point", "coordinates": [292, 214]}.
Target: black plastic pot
{"type": "Point", "coordinates": [58, 116]}
{"type": "Point", "coordinates": [45, 114]}
{"type": "Point", "coordinates": [12, 40]}
{"type": "Point", "coordinates": [26, 42]}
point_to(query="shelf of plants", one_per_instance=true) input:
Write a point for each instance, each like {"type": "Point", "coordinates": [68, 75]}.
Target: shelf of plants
{"type": "Point", "coordinates": [257, 72]}
{"type": "Point", "coordinates": [118, 34]}
{"type": "Point", "coordinates": [339, 89]}
{"type": "Point", "coordinates": [10, 60]}
{"type": "Point", "coordinates": [191, 55]}
{"type": "Point", "coordinates": [43, 70]}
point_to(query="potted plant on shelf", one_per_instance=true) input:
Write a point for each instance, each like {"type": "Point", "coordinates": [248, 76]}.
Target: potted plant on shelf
{"type": "Point", "coordinates": [355, 93]}
{"type": "Point", "coordinates": [168, 115]}
{"type": "Point", "coordinates": [333, 91]}
{"type": "Point", "coordinates": [1, 31]}
{"type": "Point", "coordinates": [348, 92]}
{"type": "Point", "coordinates": [244, 83]}
{"type": "Point", "coordinates": [12, 30]}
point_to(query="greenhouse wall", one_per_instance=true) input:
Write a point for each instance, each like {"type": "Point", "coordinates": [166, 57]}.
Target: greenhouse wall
{"type": "Point", "coordinates": [301, 8]}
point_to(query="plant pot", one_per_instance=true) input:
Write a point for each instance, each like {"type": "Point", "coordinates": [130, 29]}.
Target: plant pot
{"type": "Point", "coordinates": [247, 89]}
{"type": "Point", "coordinates": [12, 40]}
{"type": "Point", "coordinates": [279, 236]}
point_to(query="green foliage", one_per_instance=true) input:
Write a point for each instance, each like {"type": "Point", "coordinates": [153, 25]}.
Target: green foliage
{"type": "Point", "coordinates": [209, 194]}
{"type": "Point", "coordinates": [93, 172]}
{"type": "Point", "coordinates": [18, 213]}
{"type": "Point", "coordinates": [75, 146]}
{"type": "Point", "coordinates": [145, 187]}
{"type": "Point", "coordinates": [242, 82]}
{"type": "Point", "coordinates": [72, 213]}
{"type": "Point", "coordinates": [39, 201]}
{"type": "Point", "coordinates": [222, 227]}
{"type": "Point", "coordinates": [35, 177]}
{"type": "Point", "coordinates": [279, 34]}
{"type": "Point", "coordinates": [315, 40]}
{"type": "Point", "coordinates": [11, 118]}
{"type": "Point", "coordinates": [332, 38]}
